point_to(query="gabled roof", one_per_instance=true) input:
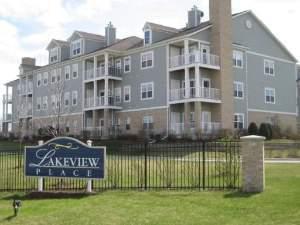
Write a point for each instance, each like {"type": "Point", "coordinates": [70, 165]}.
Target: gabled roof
{"type": "Point", "coordinates": [58, 43]}
{"type": "Point", "coordinates": [155, 26]}
{"type": "Point", "coordinates": [125, 44]}
{"type": "Point", "coordinates": [86, 35]}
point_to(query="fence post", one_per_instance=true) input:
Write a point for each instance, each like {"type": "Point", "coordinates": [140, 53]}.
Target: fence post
{"type": "Point", "coordinates": [145, 164]}
{"type": "Point", "coordinates": [40, 179]}
{"type": "Point", "coordinates": [89, 183]}
{"type": "Point", "coordinates": [253, 170]}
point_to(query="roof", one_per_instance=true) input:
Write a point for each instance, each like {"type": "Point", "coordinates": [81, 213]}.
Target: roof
{"type": "Point", "coordinates": [156, 26]}
{"type": "Point", "coordinates": [125, 44]}
{"type": "Point", "coordinates": [89, 35]}
{"type": "Point", "coordinates": [59, 43]}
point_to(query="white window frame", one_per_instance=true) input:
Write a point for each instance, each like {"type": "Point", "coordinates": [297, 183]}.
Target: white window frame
{"type": "Point", "coordinates": [146, 84]}
{"type": "Point", "coordinates": [75, 47]}
{"type": "Point", "coordinates": [67, 97]}
{"type": "Point", "coordinates": [241, 85]}
{"type": "Point", "coordinates": [74, 68]}
{"type": "Point", "coordinates": [74, 96]}
{"type": "Point", "coordinates": [45, 102]}
{"type": "Point", "coordinates": [58, 75]}
{"type": "Point", "coordinates": [150, 37]}
{"type": "Point", "coordinates": [271, 65]}
{"type": "Point", "coordinates": [53, 75]}
{"type": "Point", "coordinates": [67, 71]}
{"type": "Point", "coordinates": [267, 89]}
{"type": "Point", "coordinates": [118, 64]}
{"type": "Point", "coordinates": [129, 64]}
{"type": "Point", "coordinates": [38, 103]}
{"type": "Point", "coordinates": [45, 77]}
{"type": "Point", "coordinates": [52, 53]}
{"type": "Point", "coordinates": [128, 123]}
{"type": "Point", "coordinates": [148, 120]}
{"type": "Point", "coordinates": [53, 101]}
{"type": "Point", "coordinates": [145, 54]}
{"type": "Point", "coordinates": [129, 93]}
{"type": "Point", "coordinates": [118, 94]}
{"type": "Point", "coordinates": [39, 80]}
{"type": "Point", "coordinates": [238, 56]}
{"type": "Point", "coordinates": [237, 121]}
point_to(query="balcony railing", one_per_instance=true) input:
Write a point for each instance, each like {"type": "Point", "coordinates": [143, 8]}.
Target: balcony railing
{"type": "Point", "coordinates": [100, 101]}
{"type": "Point", "coordinates": [203, 59]}
{"type": "Point", "coordinates": [100, 72]}
{"type": "Point", "coordinates": [7, 98]}
{"type": "Point", "coordinates": [204, 127]}
{"type": "Point", "coordinates": [190, 93]}
{"type": "Point", "coordinates": [27, 90]}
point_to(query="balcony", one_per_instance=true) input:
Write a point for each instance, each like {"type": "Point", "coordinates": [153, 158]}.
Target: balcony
{"type": "Point", "coordinates": [100, 73]}
{"type": "Point", "coordinates": [7, 98]}
{"type": "Point", "coordinates": [204, 60]}
{"type": "Point", "coordinates": [204, 128]}
{"type": "Point", "coordinates": [26, 112]}
{"type": "Point", "coordinates": [190, 94]}
{"type": "Point", "coordinates": [27, 89]}
{"type": "Point", "coordinates": [112, 102]}
{"type": "Point", "coordinates": [7, 117]}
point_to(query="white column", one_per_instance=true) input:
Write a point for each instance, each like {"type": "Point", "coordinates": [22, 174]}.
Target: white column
{"type": "Point", "coordinates": [106, 61]}
{"type": "Point", "coordinates": [197, 81]}
{"type": "Point", "coordinates": [95, 82]}
{"type": "Point", "coordinates": [89, 183]}
{"type": "Point", "coordinates": [186, 70]}
{"type": "Point", "coordinates": [106, 80]}
{"type": "Point", "coordinates": [40, 179]}
{"type": "Point", "coordinates": [95, 66]}
{"type": "Point", "coordinates": [6, 103]}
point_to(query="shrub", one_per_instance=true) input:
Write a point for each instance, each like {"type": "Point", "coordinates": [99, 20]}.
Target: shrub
{"type": "Point", "coordinates": [264, 131]}
{"type": "Point", "coordinates": [252, 129]}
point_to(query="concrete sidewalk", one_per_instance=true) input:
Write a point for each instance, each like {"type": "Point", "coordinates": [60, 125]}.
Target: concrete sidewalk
{"type": "Point", "coordinates": [288, 160]}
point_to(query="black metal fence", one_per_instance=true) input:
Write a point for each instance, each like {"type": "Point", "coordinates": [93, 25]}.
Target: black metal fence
{"type": "Point", "coordinates": [201, 165]}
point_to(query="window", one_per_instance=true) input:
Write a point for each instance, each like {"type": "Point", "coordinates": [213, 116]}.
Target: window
{"type": "Point", "coordinates": [39, 80]}
{"type": "Point", "coordinates": [53, 76]}
{"type": "Point", "coordinates": [45, 79]}
{"type": "Point", "coordinates": [58, 75]}
{"type": "Point", "coordinates": [147, 60]}
{"type": "Point", "coordinates": [53, 101]}
{"type": "Point", "coordinates": [74, 97]}
{"type": "Point", "coordinates": [127, 94]}
{"type": "Point", "coordinates": [148, 122]}
{"type": "Point", "coordinates": [38, 103]}
{"type": "Point", "coordinates": [127, 64]}
{"type": "Point", "coordinates": [127, 123]}
{"type": "Point", "coordinates": [270, 95]}
{"type": "Point", "coordinates": [238, 89]}
{"type": "Point", "coordinates": [238, 121]}
{"type": "Point", "coordinates": [67, 99]}
{"type": "Point", "coordinates": [118, 64]}
{"type": "Point", "coordinates": [67, 72]}
{"type": "Point", "coordinates": [75, 71]}
{"type": "Point", "coordinates": [76, 47]}
{"type": "Point", "coordinates": [45, 102]}
{"type": "Point", "coordinates": [269, 67]}
{"type": "Point", "coordinates": [147, 91]}
{"type": "Point", "coordinates": [147, 37]}
{"type": "Point", "coordinates": [118, 95]}
{"type": "Point", "coordinates": [238, 59]}
{"type": "Point", "coordinates": [53, 55]}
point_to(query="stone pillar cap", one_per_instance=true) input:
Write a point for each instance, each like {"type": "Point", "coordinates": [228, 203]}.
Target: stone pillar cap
{"type": "Point", "coordinates": [253, 137]}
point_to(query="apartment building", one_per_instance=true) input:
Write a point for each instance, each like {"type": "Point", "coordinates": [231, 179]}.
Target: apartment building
{"type": "Point", "coordinates": [210, 75]}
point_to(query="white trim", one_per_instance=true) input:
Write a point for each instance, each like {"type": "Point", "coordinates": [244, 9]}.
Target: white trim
{"type": "Point", "coordinates": [239, 114]}
{"type": "Point", "coordinates": [270, 89]}
{"type": "Point", "coordinates": [152, 59]}
{"type": "Point", "coordinates": [268, 61]}
{"type": "Point", "coordinates": [124, 59]}
{"type": "Point", "coordinates": [235, 57]}
{"type": "Point", "coordinates": [268, 56]}
{"type": "Point", "coordinates": [141, 94]}
{"type": "Point", "coordinates": [144, 109]}
{"type": "Point", "coordinates": [74, 96]}
{"type": "Point", "coordinates": [129, 88]}
{"type": "Point", "coordinates": [243, 89]}
{"type": "Point", "coordinates": [50, 116]}
{"type": "Point", "coordinates": [275, 112]}
{"type": "Point", "coordinates": [150, 36]}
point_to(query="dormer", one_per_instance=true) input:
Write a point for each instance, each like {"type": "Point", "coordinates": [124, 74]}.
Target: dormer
{"type": "Point", "coordinates": [156, 32]}
{"type": "Point", "coordinates": [84, 43]}
{"type": "Point", "coordinates": [57, 51]}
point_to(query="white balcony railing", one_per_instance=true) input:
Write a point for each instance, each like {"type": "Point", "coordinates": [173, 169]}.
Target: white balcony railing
{"type": "Point", "coordinates": [7, 98]}
{"type": "Point", "coordinates": [203, 59]}
{"type": "Point", "coordinates": [89, 74]}
{"type": "Point", "coordinates": [89, 102]}
{"type": "Point", "coordinates": [100, 101]}
{"type": "Point", "coordinates": [100, 72]}
{"type": "Point", "coordinates": [189, 93]}
{"type": "Point", "coordinates": [204, 127]}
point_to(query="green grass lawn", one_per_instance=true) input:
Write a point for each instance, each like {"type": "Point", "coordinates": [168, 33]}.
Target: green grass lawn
{"type": "Point", "coordinates": [279, 204]}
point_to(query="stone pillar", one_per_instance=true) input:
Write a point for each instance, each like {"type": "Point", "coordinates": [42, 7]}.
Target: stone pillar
{"type": "Point", "coordinates": [253, 171]}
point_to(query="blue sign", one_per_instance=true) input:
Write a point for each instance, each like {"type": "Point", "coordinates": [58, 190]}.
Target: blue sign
{"type": "Point", "coordinates": [65, 157]}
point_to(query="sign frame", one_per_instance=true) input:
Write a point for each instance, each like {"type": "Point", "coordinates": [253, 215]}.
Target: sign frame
{"type": "Point", "coordinates": [62, 177]}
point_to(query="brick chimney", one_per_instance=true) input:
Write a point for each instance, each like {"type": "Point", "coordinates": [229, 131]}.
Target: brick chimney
{"type": "Point", "coordinates": [221, 45]}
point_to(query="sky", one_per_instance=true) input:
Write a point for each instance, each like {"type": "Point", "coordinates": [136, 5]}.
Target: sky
{"type": "Point", "coordinates": [27, 26]}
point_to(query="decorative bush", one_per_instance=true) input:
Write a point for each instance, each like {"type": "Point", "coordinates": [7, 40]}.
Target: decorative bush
{"type": "Point", "coordinates": [265, 131]}
{"type": "Point", "coordinates": [252, 129]}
